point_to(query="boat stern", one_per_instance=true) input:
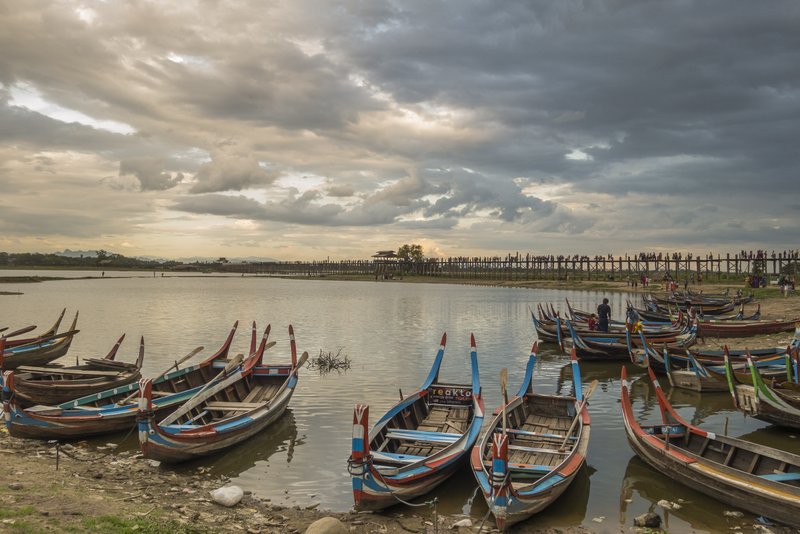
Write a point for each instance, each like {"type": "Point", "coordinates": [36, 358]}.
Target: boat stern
{"type": "Point", "coordinates": [358, 463]}
{"type": "Point", "coordinates": [145, 415]}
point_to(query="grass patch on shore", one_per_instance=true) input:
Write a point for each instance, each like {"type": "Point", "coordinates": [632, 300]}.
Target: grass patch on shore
{"type": "Point", "coordinates": [107, 524]}
{"type": "Point", "coordinates": [7, 513]}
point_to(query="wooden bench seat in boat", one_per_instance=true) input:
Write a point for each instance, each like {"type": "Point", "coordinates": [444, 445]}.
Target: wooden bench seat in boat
{"type": "Point", "coordinates": [422, 435]}
{"type": "Point", "coordinates": [233, 406]}
{"type": "Point", "coordinates": [538, 450]}
{"type": "Point", "coordinates": [396, 458]}
{"type": "Point", "coordinates": [76, 372]}
{"type": "Point", "coordinates": [514, 431]}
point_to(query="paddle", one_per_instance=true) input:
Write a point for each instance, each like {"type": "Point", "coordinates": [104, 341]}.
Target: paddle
{"type": "Point", "coordinates": [503, 384]}
{"type": "Point", "coordinates": [177, 363]}
{"type": "Point", "coordinates": [20, 331]}
{"type": "Point", "coordinates": [235, 361]}
{"type": "Point", "coordinates": [581, 406]}
{"type": "Point", "coordinates": [300, 362]}
{"type": "Point", "coordinates": [196, 398]}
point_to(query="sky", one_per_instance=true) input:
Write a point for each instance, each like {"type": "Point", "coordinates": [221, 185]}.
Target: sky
{"type": "Point", "coordinates": [306, 129]}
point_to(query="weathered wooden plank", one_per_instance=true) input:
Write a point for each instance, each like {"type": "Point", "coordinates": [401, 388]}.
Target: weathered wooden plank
{"type": "Point", "coordinates": [73, 372]}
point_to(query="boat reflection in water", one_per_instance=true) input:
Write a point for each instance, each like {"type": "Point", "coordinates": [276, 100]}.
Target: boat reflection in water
{"type": "Point", "coordinates": [460, 496]}
{"type": "Point", "coordinates": [276, 446]}
{"type": "Point", "coordinates": [697, 512]}
{"type": "Point", "coordinates": [644, 487]}
{"type": "Point", "coordinates": [606, 374]}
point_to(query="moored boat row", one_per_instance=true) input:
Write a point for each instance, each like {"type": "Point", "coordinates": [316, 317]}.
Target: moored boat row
{"type": "Point", "coordinates": [183, 413]}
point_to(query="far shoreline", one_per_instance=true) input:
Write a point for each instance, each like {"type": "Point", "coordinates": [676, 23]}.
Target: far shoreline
{"type": "Point", "coordinates": [617, 286]}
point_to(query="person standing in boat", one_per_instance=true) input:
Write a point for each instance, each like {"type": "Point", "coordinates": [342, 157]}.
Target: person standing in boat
{"type": "Point", "coordinates": [604, 315]}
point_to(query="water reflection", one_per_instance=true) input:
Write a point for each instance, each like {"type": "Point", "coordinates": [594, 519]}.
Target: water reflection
{"type": "Point", "coordinates": [279, 442]}
{"type": "Point", "coordinates": [643, 487]}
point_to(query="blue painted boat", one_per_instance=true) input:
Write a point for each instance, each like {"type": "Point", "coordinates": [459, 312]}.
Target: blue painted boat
{"type": "Point", "coordinates": [223, 413]}
{"type": "Point", "coordinates": [419, 442]}
{"type": "Point", "coordinates": [40, 350]}
{"type": "Point", "coordinates": [114, 409]}
{"type": "Point", "coordinates": [532, 449]}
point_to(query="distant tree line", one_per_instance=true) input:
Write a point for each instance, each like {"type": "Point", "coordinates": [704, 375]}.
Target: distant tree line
{"type": "Point", "coordinates": [103, 259]}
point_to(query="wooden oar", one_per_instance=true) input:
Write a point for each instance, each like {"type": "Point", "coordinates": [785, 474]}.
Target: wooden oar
{"type": "Point", "coordinates": [581, 406]}
{"type": "Point", "coordinates": [177, 363]}
{"type": "Point", "coordinates": [235, 361]}
{"type": "Point", "coordinates": [18, 332]}
{"type": "Point", "coordinates": [196, 398]}
{"type": "Point", "coordinates": [503, 384]}
{"type": "Point", "coordinates": [300, 362]}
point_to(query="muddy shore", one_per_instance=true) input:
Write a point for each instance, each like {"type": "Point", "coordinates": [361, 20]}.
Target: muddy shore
{"type": "Point", "coordinates": [86, 488]}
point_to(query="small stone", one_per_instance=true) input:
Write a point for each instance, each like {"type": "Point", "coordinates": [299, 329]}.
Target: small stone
{"type": "Point", "coordinates": [15, 486]}
{"type": "Point", "coordinates": [665, 504]}
{"type": "Point", "coordinates": [648, 520]}
{"type": "Point", "coordinates": [599, 519]}
{"type": "Point", "coordinates": [227, 496]}
{"type": "Point", "coordinates": [327, 525]}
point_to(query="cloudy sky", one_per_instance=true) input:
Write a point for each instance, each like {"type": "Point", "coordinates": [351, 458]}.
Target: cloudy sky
{"type": "Point", "coordinates": [310, 129]}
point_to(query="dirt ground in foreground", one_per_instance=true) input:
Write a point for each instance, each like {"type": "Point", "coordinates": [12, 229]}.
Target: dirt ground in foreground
{"type": "Point", "coordinates": [96, 489]}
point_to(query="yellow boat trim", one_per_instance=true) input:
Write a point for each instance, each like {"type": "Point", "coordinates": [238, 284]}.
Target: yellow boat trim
{"type": "Point", "coordinates": [744, 483]}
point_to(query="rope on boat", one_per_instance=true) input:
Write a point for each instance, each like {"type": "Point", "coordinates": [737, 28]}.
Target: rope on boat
{"type": "Point", "coordinates": [359, 468]}
{"type": "Point", "coordinates": [485, 517]}
{"type": "Point", "coordinates": [60, 451]}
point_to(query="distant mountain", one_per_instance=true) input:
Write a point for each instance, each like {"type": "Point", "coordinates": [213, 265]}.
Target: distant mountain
{"type": "Point", "coordinates": [193, 259]}
{"type": "Point", "coordinates": [204, 259]}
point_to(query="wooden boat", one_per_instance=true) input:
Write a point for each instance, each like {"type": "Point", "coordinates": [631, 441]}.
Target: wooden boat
{"type": "Point", "coordinates": [11, 342]}
{"type": "Point", "coordinates": [222, 413]}
{"type": "Point", "coordinates": [549, 326]}
{"type": "Point", "coordinates": [661, 323]}
{"type": "Point", "coordinates": [686, 302]}
{"type": "Point", "coordinates": [621, 348]}
{"type": "Point", "coordinates": [746, 328]}
{"type": "Point", "coordinates": [55, 384]}
{"type": "Point", "coordinates": [532, 449]}
{"type": "Point", "coordinates": [693, 373]}
{"type": "Point", "coordinates": [756, 478]}
{"type": "Point", "coordinates": [419, 442]}
{"type": "Point", "coordinates": [42, 350]}
{"type": "Point", "coordinates": [114, 409]}
{"type": "Point", "coordinates": [695, 376]}
{"type": "Point", "coordinates": [707, 355]}
{"type": "Point", "coordinates": [778, 404]}
{"type": "Point", "coordinates": [738, 317]}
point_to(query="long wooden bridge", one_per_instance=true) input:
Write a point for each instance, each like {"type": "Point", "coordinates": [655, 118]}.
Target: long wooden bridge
{"type": "Point", "coordinates": [680, 267]}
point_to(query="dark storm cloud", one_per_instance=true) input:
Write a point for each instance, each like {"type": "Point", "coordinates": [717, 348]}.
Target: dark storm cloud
{"type": "Point", "coordinates": [712, 80]}
{"type": "Point", "coordinates": [471, 192]}
{"type": "Point", "coordinates": [20, 125]}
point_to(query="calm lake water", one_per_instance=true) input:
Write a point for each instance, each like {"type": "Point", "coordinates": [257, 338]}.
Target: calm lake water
{"type": "Point", "coordinates": [390, 331]}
